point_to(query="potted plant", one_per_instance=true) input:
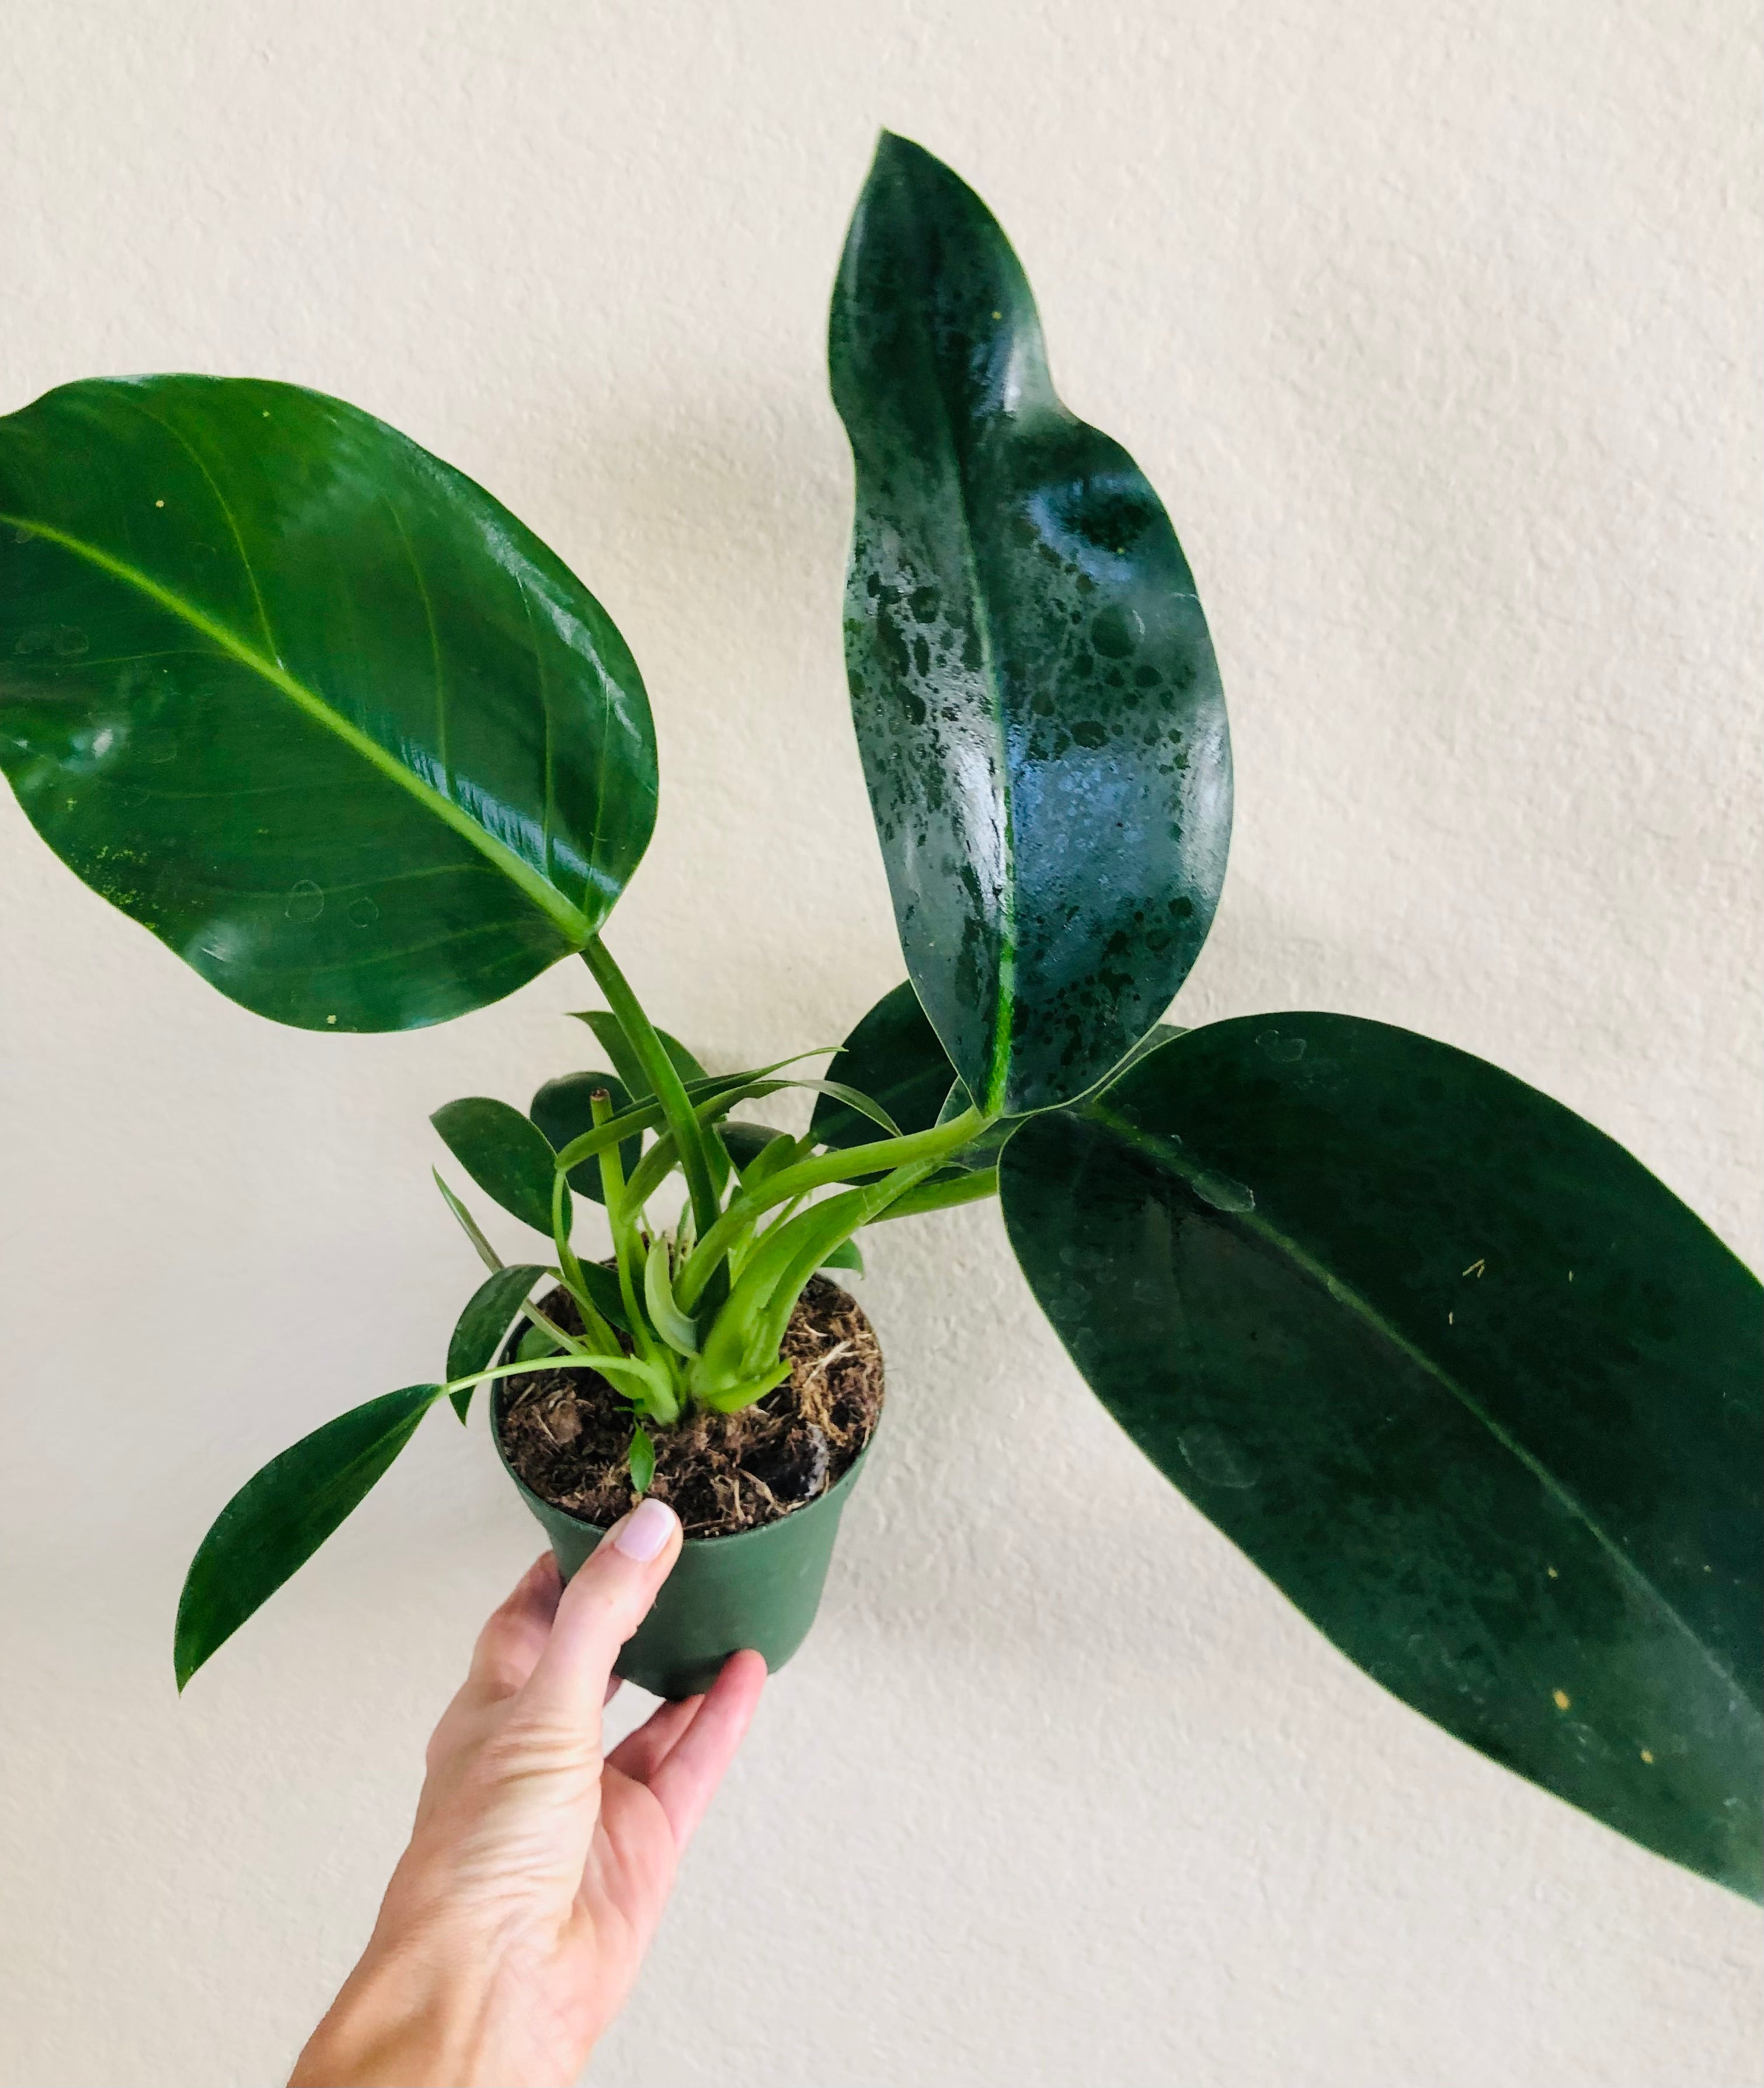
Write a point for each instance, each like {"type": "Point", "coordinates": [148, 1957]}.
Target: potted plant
{"type": "Point", "coordinates": [1471, 1388]}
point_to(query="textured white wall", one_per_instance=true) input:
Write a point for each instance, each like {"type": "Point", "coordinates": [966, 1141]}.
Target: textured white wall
{"type": "Point", "coordinates": [1436, 326]}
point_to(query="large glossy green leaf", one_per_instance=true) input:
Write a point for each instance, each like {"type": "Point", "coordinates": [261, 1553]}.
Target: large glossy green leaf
{"type": "Point", "coordinates": [506, 1153]}
{"type": "Point", "coordinates": [306, 703]}
{"type": "Point", "coordinates": [277, 1520]}
{"type": "Point", "coordinates": [1034, 691]}
{"type": "Point", "coordinates": [1476, 1390]}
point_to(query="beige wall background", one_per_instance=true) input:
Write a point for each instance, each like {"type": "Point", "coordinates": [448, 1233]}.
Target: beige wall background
{"type": "Point", "coordinates": [1436, 326]}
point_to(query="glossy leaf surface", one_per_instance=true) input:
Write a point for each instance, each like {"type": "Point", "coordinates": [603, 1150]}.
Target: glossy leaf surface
{"type": "Point", "coordinates": [1476, 1390]}
{"type": "Point", "coordinates": [480, 1329]}
{"type": "Point", "coordinates": [278, 1519]}
{"type": "Point", "coordinates": [564, 1109]}
{"type": "Point", "coordinates": [895, 1055]}
{"type": "Point", "coordinates": [1034, 689]}
{"type": "Point", "coordinates": [307, 703]}
{"type": "Point", "coordinates": [505, 1153]}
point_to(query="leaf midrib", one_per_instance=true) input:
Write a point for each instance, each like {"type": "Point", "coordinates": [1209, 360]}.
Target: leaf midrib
{"type": "Point", "coordinates": [569, 919]}
{"type": "Point", "coordinates": [1171, 1157]}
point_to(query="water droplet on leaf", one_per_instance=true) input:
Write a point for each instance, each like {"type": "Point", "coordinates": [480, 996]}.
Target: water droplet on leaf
{"type": "Point", "coordinates": [1212, 1458]}
{"type": "Point", "coordinates": [1115, 631]}
{"type": "Point", "coordinates": [1222, 1193]}
{"type": "Point", "coordinates": [1283, 1050]}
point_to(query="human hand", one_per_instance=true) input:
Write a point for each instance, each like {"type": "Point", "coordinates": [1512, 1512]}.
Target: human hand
{"type": "Point", "coordinates": [516, 1920]}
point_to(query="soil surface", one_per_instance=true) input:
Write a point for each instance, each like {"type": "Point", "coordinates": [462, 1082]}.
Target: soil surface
{"type": "Point", "coordinates": [567, 1432]}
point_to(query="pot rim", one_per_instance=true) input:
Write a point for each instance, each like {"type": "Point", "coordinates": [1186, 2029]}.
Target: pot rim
{"type": "Point", "coordinates": [730, 1538]}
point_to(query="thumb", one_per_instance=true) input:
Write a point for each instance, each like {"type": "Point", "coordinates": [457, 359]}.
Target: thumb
{"type": "Point", "coordinates": [608, 1598]}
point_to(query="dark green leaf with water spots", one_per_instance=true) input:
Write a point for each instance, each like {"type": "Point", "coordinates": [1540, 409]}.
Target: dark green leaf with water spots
{"type": "Point", "coordinates": [564, 1109]}
{"type": "Point", "coordinates": [506, 1153]}
{"type": "Point", "coordinates": [306, 703]}
{"type": "Point", "coordinates": [278, 1519]}
{"type": "Point", "coordinates": [1035, 692]}
{"type": "Point", "coordinates": [1476, 1390]}
{"type": "Point", "coordinates": [478, 1333]}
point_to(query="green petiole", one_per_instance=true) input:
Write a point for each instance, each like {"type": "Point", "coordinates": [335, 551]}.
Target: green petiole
{"type": "Point", "coordinates": [689, 1135]}
{"type": "Point", "coordinates": [610, 1368]}
{"type": "Point", "coordinates": [943, 1196]}
{"type": "Point", "coordinates": [663, 1407]}
{"type": "Point", "coordinates": [804, 1175]}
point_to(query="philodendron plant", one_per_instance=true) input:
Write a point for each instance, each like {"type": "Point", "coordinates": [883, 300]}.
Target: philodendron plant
{"type": "Point", "coordinates": [1466, 1382]}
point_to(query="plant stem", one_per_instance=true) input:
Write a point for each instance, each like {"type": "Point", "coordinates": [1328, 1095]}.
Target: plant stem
{"type": "Point", "coordinates": [594, 1328]}
{"type": "Point", "coordinates": [620, 1218]}
{"type": "Point", "coordinates": [793, 1182]}
{"type": "Point", "coordinates": [606, 1366]}
{"type": "Point", "coordinates": [670, 1091]}
{"type": "Point", "coordinates": [542, 1320]}
{"type": "Point", "coordinates": [941, 1195]}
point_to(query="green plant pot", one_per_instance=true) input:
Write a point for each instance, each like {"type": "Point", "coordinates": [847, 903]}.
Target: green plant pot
{"type": "Point", "coordinates": [758, 1589]}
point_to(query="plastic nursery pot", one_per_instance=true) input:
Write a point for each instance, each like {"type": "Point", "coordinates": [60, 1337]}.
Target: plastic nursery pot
{"type": "Point", "coordinates": [758, 1587]}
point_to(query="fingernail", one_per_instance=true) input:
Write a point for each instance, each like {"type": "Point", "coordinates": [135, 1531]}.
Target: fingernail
{"type": "Point", "coordinates": [644, 1533]}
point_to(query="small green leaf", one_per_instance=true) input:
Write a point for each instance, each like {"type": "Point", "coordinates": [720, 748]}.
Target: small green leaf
{"type": "Point", "coordinates": [847, 1255]}
{"type": "Point", "coordinates": [642, 1459]}
{"type": "Point", "coordinates": [745, 1142]}
{"type": "Point", "coordinates": [601, 1284]}
{"type": "Point", "coordinates": [893, 1054]}
{"type": "Point", "coordinates": [852, 1098]}
{"type": "Point", "coordinates": [468, 1225]}
{"type": "Point", "coordinates": [674, 1326]}
{"type": "Point", "coordinates": [505, 1153]}
{"type": "Point", "coordinates": [486, 1318]}
{"type": "Point", "coordinates": [277, 1520]}
{"type": "Point", "coordinates": [1476, 1391]}
{"type": "Point", "coordinates": [562, 1110]}
{"type": "Point", "coordinates": [617, 1046]}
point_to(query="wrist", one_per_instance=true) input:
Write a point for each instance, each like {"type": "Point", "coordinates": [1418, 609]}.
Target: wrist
{"type": "Point", "coordinates": [398, 2022]}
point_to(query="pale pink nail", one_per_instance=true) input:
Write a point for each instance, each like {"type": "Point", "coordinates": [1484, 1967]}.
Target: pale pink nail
{"type": "Point", "coordinates": [644, 1533]}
